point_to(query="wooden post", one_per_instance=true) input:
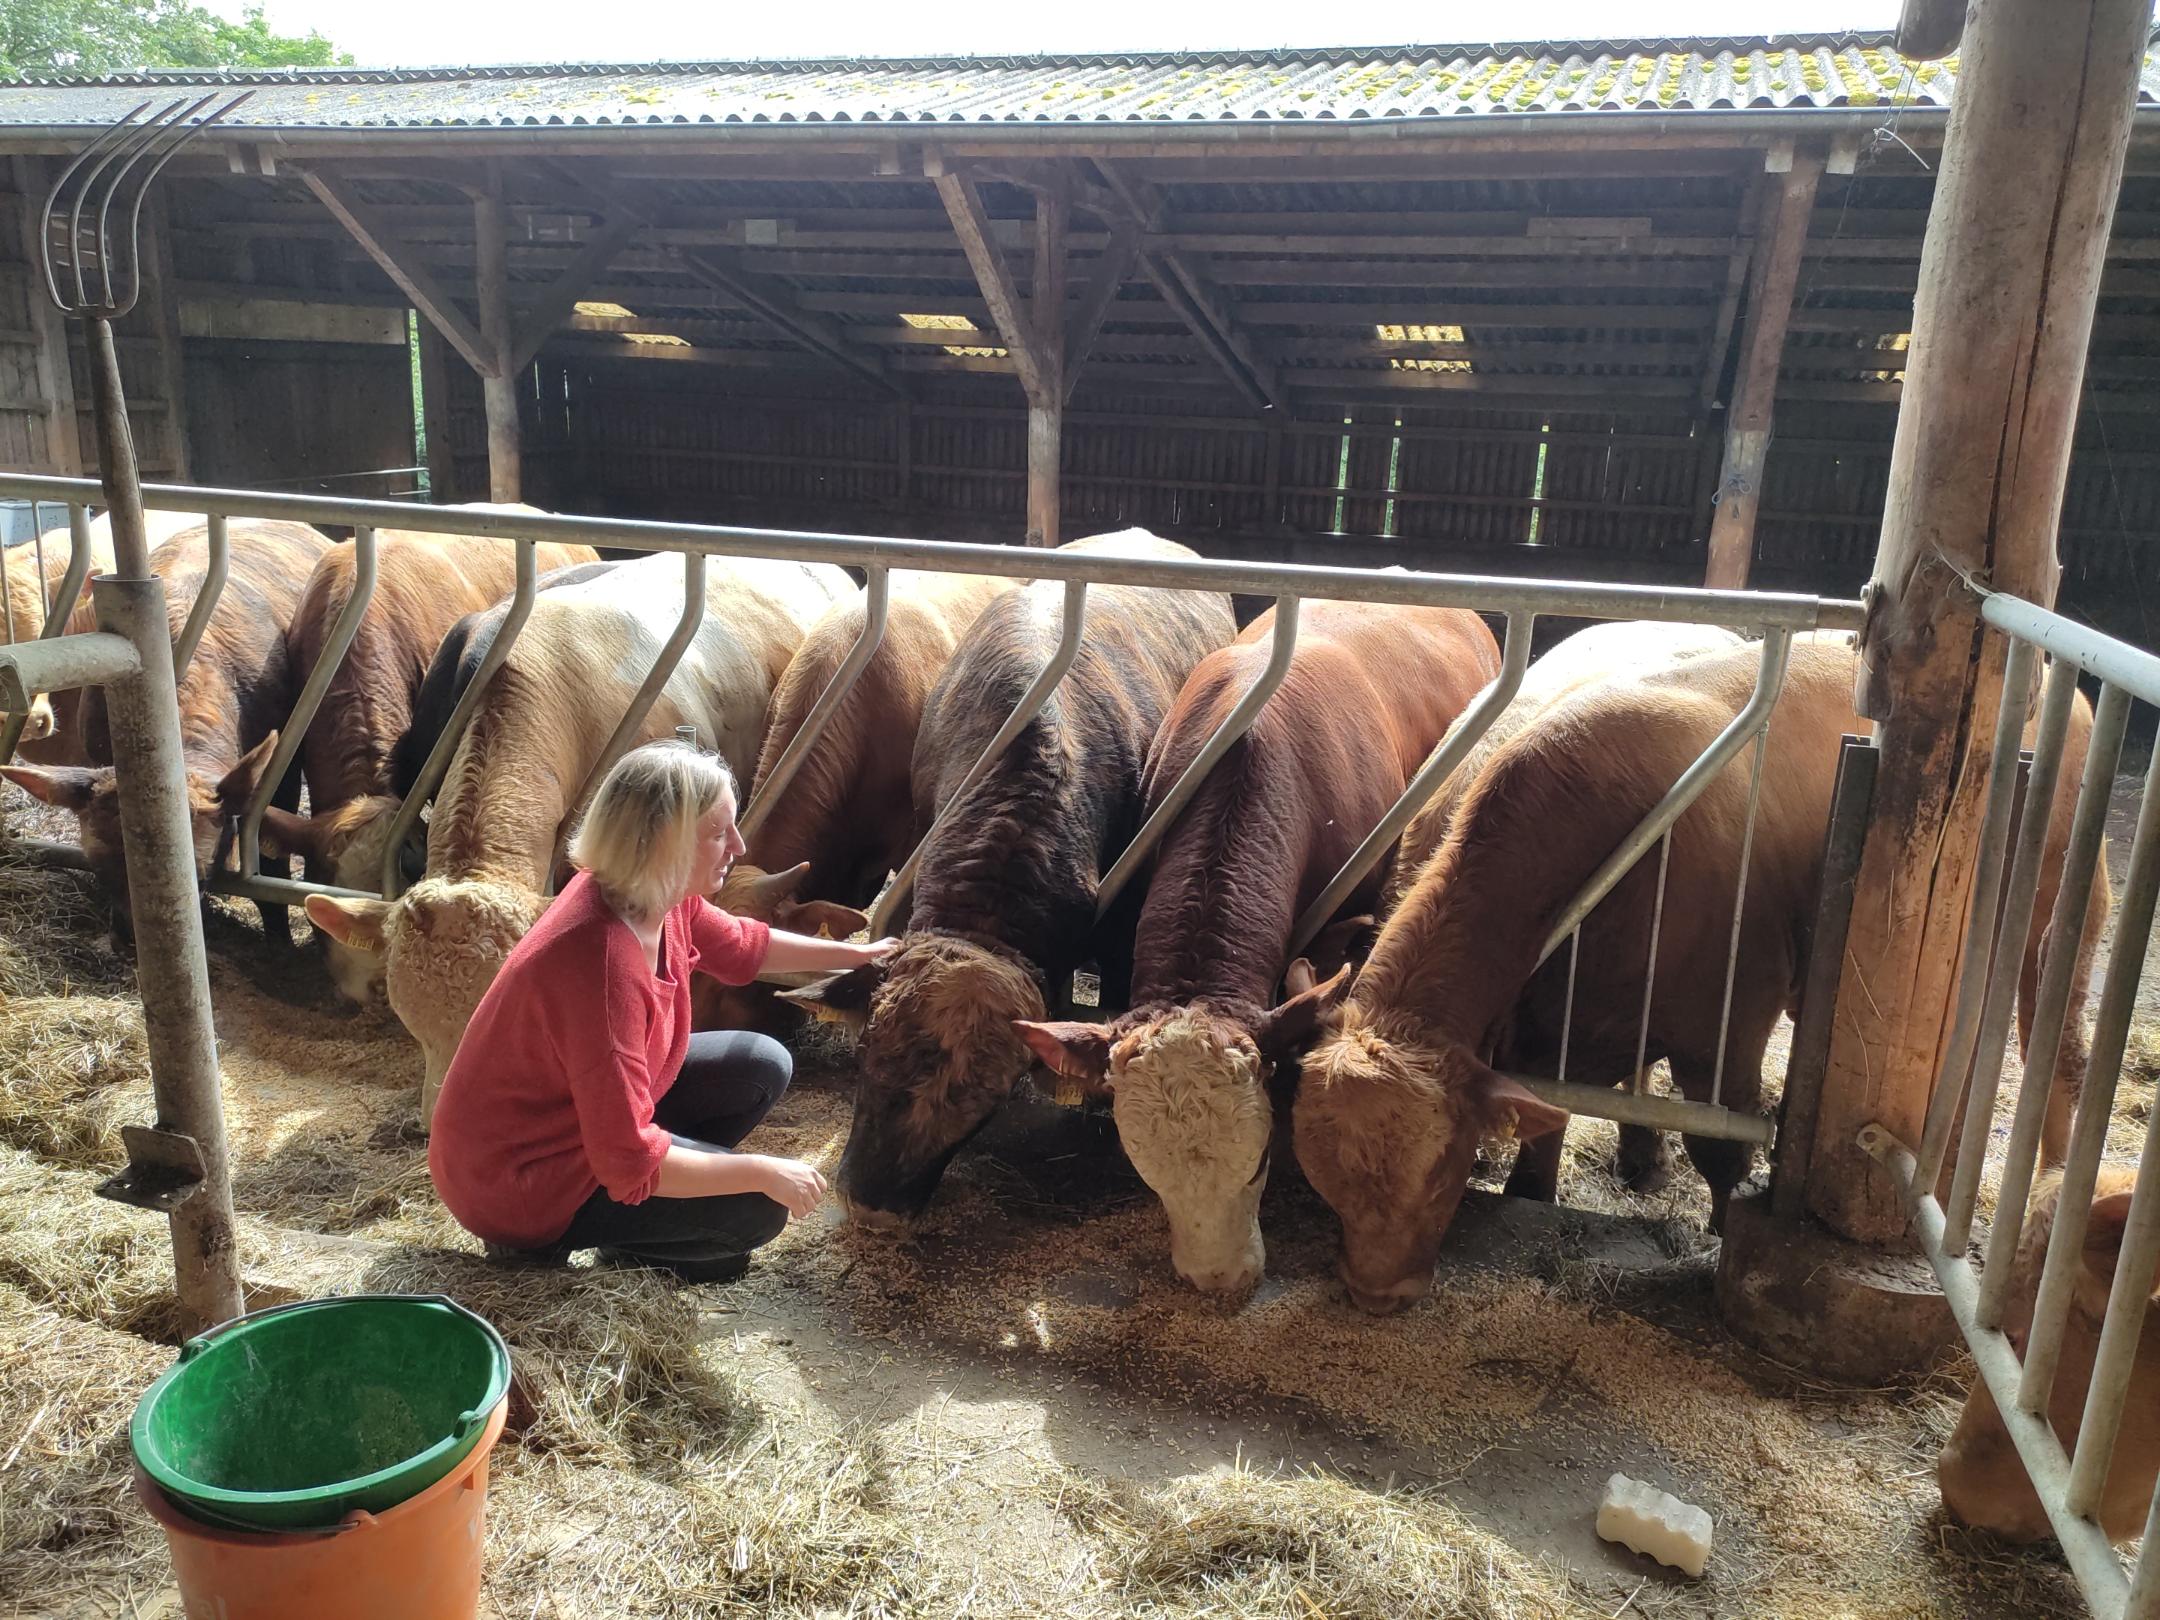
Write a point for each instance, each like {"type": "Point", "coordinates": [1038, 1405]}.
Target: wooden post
{"type": "Point", "coordinates": [1046, 402]}
{"type": "Point", "coordinates": [1783, 227]}
{"type": "Point", "coordinates": [2032, 164]}
{"type": "Point", "coordinates": [435, 412]}
{"type": "Point", "coordinates": [164, 301]}
{"type": "Point", "coordinates": [498, 392]}
{"type": "Point", "coordinates": [55, 375]}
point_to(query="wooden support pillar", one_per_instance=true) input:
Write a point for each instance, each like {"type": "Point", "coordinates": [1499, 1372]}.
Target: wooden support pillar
{"type": "Point", "coordinates": [498, 391]}
{"type": "Point", "coordinates": [2032, 164]}
{"type": "Point", "coordinates": [1046, 403]}
{"type": "Point", "coordinates": [52, 372]}
{"type": "Point", "coordinates": [1783, 227]}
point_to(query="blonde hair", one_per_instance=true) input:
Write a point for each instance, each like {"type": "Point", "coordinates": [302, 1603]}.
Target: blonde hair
{"type": "Point", "coordinates": [639, 838]}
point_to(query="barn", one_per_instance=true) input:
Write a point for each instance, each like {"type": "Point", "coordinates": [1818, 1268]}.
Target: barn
{"type": "Point", "coordinates": [1524, 334]}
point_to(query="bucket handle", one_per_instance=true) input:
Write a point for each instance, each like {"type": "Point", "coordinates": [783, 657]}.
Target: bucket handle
{"type": "Point", "coordinates": [209, 1336]}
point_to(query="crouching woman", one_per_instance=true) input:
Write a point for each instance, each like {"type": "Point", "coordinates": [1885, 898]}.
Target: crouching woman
{"type": "Point", "coordinates": [581, 1112]}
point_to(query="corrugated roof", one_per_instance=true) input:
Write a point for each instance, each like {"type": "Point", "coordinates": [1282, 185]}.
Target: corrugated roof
{"type": "Point", "coordinates": [1408, 82]}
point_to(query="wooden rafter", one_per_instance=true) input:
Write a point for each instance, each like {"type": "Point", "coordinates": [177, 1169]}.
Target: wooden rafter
{"type": "Point", "coordinates": [404, 265]}
{"type": "Point", "coordinates": [992, 274]}
{"type": "Point", "coordinates": [1085, 326]}
{"type": "Point", "coordinates": [575, 280]}
{"type": "Point", "coordinates": [779, 305]}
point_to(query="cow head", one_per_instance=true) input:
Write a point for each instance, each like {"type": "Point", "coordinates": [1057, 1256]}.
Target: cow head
{"type": "Point", "coordinates": [1189, 1090]}
{"type": "Point", "coordinates": [1386, 1122]}
{"type": "Point", "coordinates": [93, 794]}
{"type": "Point", "coordinates": [25, 619]}
{"type": "Point", "coordinates": [442, 943]}
{"type": "Point", "coordinates": [1984, 1483]}
{"type": "Point", "coordinates": [938, 1053]}
{"type": "Point", "coordinates": [751, 891]}
{"type": "Point", "coordinates": [346, 845]}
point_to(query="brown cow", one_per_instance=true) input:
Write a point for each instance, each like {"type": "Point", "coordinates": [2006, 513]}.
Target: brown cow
{"type": "Point", "coordinates": [540, 727]}
{"type": "Point", "coordinates": [1004, 907]}
{"type": "Point", "coordinates": [1370, 692]}
{"type": "Point", "coordinates": [1396, 1097]}
{"type": "Point", "coordinates": [51, 736]}
{"type": "Point", "coordinates": [423, 584]}
{"type": "Point", "coordinates": [233, 695]}
{"type": "Point", "coordinates": [1984, 1483]}
{"type": "Point", "coordinates": [848, 811]}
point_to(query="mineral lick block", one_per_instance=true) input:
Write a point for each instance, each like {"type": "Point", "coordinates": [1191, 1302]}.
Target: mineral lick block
{"type": "Point", "coordinates": [1645, 1519]}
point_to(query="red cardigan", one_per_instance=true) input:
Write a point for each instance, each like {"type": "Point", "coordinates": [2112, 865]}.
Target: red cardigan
{"type": "Point", "coordinates": [552, 1090]}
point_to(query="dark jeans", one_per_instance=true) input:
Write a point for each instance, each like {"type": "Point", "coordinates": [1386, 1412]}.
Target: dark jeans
{"type": "Point", "coordinates": [729, 1079]}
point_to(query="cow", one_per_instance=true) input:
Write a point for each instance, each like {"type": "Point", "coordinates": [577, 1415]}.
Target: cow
{"type": "Point", "coordinates": [496, 832]}
{"type": "Point", "coordinates": [1397, 1092]}
{"type": "Point", "coordinates": [1004, 903]}
{"type": "Point", "coordinates": [50, 735]}
{"type": "Point", "coordinates": [1369, 693]}
{"type": "Point", "coordinates": [423, 583]}
{"type": "Point", "coordinates": [864, 756]}
{"type": "Point", "coordinates": [1984, 1484]}
{"type": "Point", "coordinates": [233, 695]}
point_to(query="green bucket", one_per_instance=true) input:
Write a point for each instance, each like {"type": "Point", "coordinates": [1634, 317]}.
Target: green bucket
{"type": "Point", "coordinates": [291, 1418]}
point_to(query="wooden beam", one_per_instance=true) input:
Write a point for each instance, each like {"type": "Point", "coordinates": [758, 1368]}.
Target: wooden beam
{"type": "Point", "coordinates": [1084, 328]}
{"type": "Point", "coordinates": [435, 414]}
{"type": "Point", "coordinates": [963, 203]}
{"type": "Point", "coordinates": [52, 372]}
{"type": "Point", "coordinates": [164, 301]}
{"type": "Point", "coordinates": [779, 305]}
{"type": "Point", "coordinates": [572, 284]}
{"type": "Point", "coordinates": [498, 387]}
{"type": "Point", "coordinates": [1786, 212]}
{"type": "Point", "coordinates": [2032, 167]}
{"type": "Point", "coordinates": [1736, 270]}
{"type": "Point", "coordinates": [1046, 407]}
{"type": "Point", "coordinates": [403, 265]}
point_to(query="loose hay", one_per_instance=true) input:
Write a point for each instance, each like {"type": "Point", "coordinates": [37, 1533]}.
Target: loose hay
{"type": "Point", "coordinates": [73, 1070]}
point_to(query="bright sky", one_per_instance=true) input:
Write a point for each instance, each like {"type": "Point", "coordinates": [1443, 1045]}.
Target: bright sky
{"type": "Point", "coordinates": [415, 32]}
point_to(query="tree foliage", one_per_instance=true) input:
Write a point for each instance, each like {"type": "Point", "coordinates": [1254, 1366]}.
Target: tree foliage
{"type": "Point", "coordinates": [43, 37]}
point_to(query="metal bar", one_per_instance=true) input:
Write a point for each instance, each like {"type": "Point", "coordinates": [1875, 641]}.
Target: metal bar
{"type": "Point", "coordinates": [438, 760]}
{"type": "Point", "coordinates": [2084, 1543]}
{"type": "Point", "coordinates": [1739, 910]}
{"type": "Point", "coordinates": [1641, 1083]}
{"type": "Point", "coordinates": [1234, 726]}
{"type": "Point", "coordinates": [57, 616]}
{"type": "Point", "coordinates": [1072, 622]}
{"type": "Point", "coordinates": [213, 589]}
{"type": "Point", "coordinates": [2058, 976]}
{"type": "Point", "coordinates": [2128, 1301]}
{"type": "Point", "coordinates": [1660, 1113]}
{"type": "Point", "coordinates": [1462, 736]}
{"type": "Point", "coordinates": [276, 890]}
{"type": "Point", "coordinates": [172, 971]}
{"type": "Point", "coordinates": [1810, 1056]}
{"type": "Point", "coordinates": [112, 135]}
{"type": "Point", "coordinates": [327, 663]}
{"type": "Point", "coordinates": [2144, 1600]}
{"type": "Point", "coordinates": [2115, 662]}
{"type": "Point", "coordinates": [2012, 924]}
{"type": "Point", "coordinates": [665, 663]}
{"type": "Point", "coordinates": [1754, 715]}
{"type": "Point", "coordinates": [37, 546]}
{"type": "Point", "coordinates": [90, 658]}
{"type": "Point", "coordinates": [1980, 930]}
{"type": "Point", "coordinates": [1567, 1007]}
{"type": "Point", "coordinates": [877, 596]}
{"type": "Point", "coordinates": [48, 852]}
{"type": "Point", "coordinates": [1482, 593]}
{"type": "Point", "coordinates": [2096, 1101]}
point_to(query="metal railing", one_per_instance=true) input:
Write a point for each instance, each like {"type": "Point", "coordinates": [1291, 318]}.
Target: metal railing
{"type": "Point", "coordinates": [1775, 617]}
{"type": "Point", "coordinates": [2013, 841]}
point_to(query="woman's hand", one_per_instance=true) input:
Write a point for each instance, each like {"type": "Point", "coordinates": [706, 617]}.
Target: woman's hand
{"type": "Point", "coordinates": [876, 950]}
{"type": "Point", "coordinates": [798, 953]}
{"type": "Point", "coordinates": [793, 1185]}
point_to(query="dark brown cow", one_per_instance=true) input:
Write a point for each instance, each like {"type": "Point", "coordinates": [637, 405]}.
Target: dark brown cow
{"type": "Point", "coordinates": [423, 583]}
{"type": "Point", "coordinates": [1004, 906]}
{"type": "Point", "coordinates": [233, 695]}
{"type": "Point", "coordinates": [1395, 1098]}
{"type": "Point", "coordinates": [1370, 692]}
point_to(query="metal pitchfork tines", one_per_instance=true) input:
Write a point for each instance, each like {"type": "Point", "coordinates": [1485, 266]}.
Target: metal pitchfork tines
{"type": "Point", "coordinates": [90, 270]}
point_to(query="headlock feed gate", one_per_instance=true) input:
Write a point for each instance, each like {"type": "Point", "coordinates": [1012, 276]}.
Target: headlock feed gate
{"type": "Point", "coordinates": [2068, 1483]}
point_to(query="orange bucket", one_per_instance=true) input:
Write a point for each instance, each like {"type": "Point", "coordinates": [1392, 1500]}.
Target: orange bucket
{"type": "Point", "coordinates": [417, 1561]}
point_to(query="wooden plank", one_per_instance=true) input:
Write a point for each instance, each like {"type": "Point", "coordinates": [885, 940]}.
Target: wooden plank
{"type": "Point", "coordinates": [435, 413]}
{"type": "Point", "coordinates": [281, 320]}
{"type": "Point", "coordinates": [1083, 328]}
{"type": "Point", "coordinates": [963, 203]}
{"type": "Point", "coordinates": [54, 375]}
{"type": "Point", "coordinates": [577, 277]}
{"type": "Point", "coordinates": [780, 306]}
{"type": "Point", "coordinates": [1736, 269]}
{"type": "Point", "coordinates": [404, 266]}
{"type": "Point", "coordinates": [498, 385]}
{"type": "Point", "coordinates": [1787, 210]}
{"type": "Point", "coordinates": [1046, 409]}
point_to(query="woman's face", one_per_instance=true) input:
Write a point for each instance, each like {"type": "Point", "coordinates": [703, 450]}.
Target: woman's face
{"type": "Point", "coordinates": [718, 846]}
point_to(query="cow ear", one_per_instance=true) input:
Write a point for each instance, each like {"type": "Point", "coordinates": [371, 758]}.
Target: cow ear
{"type": "Point", "coordinates": [842, 999]}
{"type": "Point", "coordinates": [1298, 1021]}
{"type": "Point", "coordinates": [286, 833]}
{"type": "Point", "coordinates": [2104, 1233]}
{"type": "Point", "coordinates": [1508, 1107]}
{"type": "Point", "coordinates": [815, 917]}
{"type": "Point", "coordinates": [1070, 1050]}
{"type": "Point", "coordinates": [65, 787]}
{"type": "Point", "coordinates": [243, 779]}
{"type": "Point", "coordinates": [357, 923]}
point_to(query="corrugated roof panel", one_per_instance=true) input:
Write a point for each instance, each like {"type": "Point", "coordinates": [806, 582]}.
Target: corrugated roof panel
{"type": "Point", "coordinates": [1415, 82]}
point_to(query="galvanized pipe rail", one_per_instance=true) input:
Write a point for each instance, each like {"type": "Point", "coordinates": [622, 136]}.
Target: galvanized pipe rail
{"type": "Point", "coordinates": [57, 613]}
{"type": "Point", "coordinates": [877, 603]}
{"type": "Point", "coordinates": [217, 526]}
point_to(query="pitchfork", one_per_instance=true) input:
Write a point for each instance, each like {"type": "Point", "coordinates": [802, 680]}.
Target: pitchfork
{"type": "Point", "coordinates": [94, 271]}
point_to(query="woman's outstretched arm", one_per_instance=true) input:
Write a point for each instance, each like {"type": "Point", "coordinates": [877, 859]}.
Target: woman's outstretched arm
{"type": "Point", "coordinates": [799, 953]}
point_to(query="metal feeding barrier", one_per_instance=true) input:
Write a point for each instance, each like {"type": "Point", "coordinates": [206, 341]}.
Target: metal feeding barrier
{"type": "Point", "coordinates": [2067, 1480]}
{"type": "Point", "coordinates": [1774, 617]}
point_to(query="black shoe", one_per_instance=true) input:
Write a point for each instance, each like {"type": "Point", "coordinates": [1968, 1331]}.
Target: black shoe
{"type": "Point", "coordinates": [501, 1254]}
{"type": "Point", "coordinates": [719, 1268]}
